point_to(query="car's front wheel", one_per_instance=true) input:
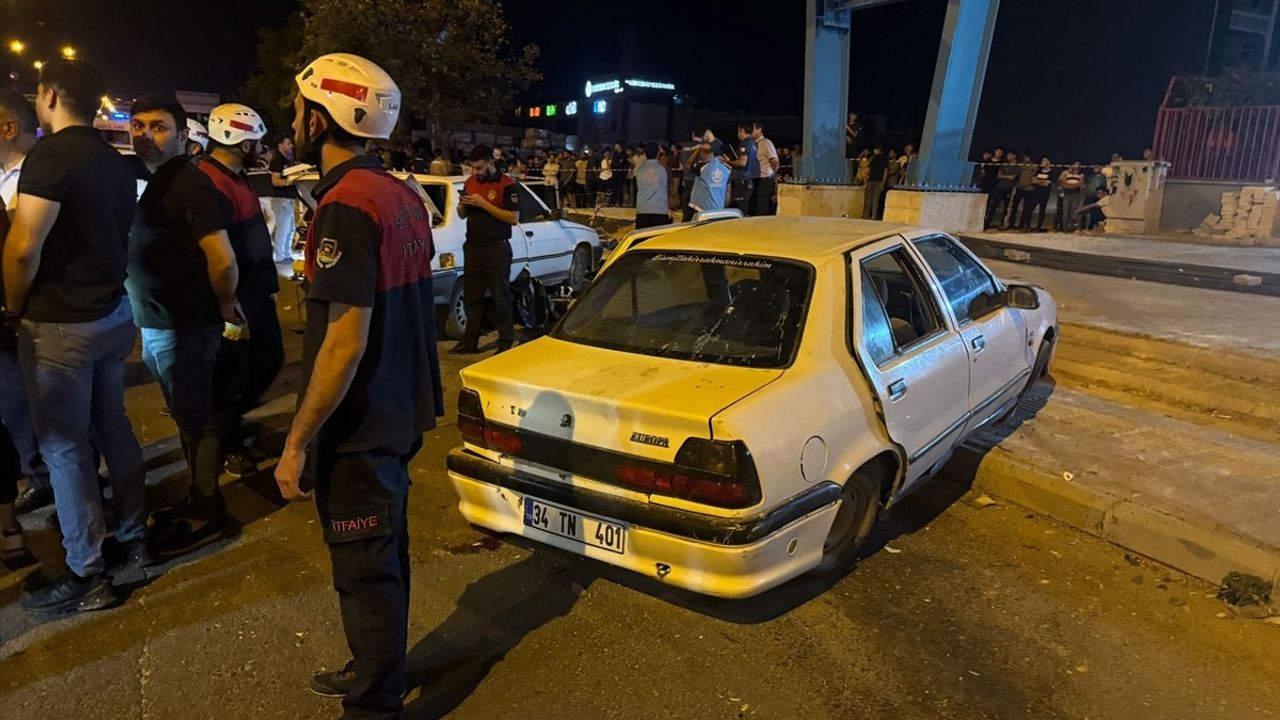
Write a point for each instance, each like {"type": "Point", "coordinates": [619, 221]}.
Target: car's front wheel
{"type": "Point", "coordinates": [455, 319]}
{"type": "Point", "coordinates": [856, 516]}
{"type": "Point", "coordinates": [580, 268]}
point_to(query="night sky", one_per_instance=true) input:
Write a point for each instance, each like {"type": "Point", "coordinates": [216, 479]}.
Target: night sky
{"type": "Point", "coordinates": [1076, 79]}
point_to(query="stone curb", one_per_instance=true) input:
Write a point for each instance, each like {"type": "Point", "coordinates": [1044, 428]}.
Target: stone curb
{"type": "Point", "coordinates": [1193, 545]}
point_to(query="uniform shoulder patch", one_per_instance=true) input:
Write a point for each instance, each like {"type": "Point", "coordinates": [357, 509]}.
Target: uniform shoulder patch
{"type": "Point", "coordinates": [328, 254]}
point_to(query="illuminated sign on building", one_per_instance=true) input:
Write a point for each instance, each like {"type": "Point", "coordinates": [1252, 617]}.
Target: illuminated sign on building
{"type": "Point", "coordinates": [618, 86]}
{"type": "Point", "coordinates": [614, 85]}
{"type": "Point", "coordinates": [599, 107]}
{"type": "Point", "coordinates": [550, 111]}
{"type": "Point", "coordinates": [535, 112]}
{"type": "Point", "coordinates": [649, 84]}
{"type": "Point", "coordinates": [571, 108]}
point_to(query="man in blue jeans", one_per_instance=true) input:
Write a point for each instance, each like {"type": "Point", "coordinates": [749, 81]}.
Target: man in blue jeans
{"type": "Point", "coordinates": [182, 282]}
{"type": "Point", "coordinates": [64, 267]}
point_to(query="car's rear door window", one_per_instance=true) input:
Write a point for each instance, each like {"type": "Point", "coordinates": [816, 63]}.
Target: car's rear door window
{"type": "Point", "coordinates": [734, 310]}
{"type": "Point", "coordinates": [898, 284]}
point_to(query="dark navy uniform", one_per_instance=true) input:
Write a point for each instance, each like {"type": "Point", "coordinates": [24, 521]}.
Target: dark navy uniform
{"type": "Point", "coordinates": [245, 369]}
{"type": "Point", "coordinates": [487, 253]}
{"type": "Point", "coordinates": [369, 246]}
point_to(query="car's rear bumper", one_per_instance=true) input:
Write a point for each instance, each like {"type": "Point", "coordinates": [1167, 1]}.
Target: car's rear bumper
{"type": "Point", "coordinates": [725, 557]}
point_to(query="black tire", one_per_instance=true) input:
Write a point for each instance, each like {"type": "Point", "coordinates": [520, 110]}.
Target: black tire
{"type": "Point", "coordinates": [580, 268]}
{"type": "Point", "coordinates": [1041, 368]}
{"type": "Point", "coordinates": [859, 509]}
{"type": "Point", "coordinates": [455, 313]}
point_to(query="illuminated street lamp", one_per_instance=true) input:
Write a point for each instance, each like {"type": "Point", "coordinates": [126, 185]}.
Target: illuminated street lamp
{"type": "Point", "coordinates": [69, 52]}
{"type": "Point", "coordinates": [38, 65]}
{"type": "Point", "coordinates": [17, 46]}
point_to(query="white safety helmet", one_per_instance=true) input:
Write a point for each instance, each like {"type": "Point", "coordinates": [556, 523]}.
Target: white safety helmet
{"type": "Point", "coordinates": [197, 134]}
{"type": "Point", "coordinates": [233, 123]}
{"type": "Point", "coordinates": [360, 96]}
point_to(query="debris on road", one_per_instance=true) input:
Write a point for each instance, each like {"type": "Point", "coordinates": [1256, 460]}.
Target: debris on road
{"type": "Point", "coordinates": [983, 501]}
{"type": "Point", "coordinates": [1242, 590]}
{"type": "Point", "coordinates": [891, 550]}
{"type": "Point", "coordinates": [1068, 475]}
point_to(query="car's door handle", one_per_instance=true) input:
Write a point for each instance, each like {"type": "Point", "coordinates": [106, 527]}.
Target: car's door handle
{"type": "Point", "coordinates": [897, 389]}
{"type": "Point", "coordinates": [528, 233]}
{"type": "Point", "coordinates": [979, 344]}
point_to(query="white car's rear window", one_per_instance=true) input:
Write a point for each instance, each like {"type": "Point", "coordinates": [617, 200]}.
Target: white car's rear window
{"type": "Point", "coordinates": [733, 310]}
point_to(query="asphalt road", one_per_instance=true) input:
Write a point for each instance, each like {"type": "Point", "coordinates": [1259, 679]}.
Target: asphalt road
{"type": "Point", "coordinates": [957, 612]}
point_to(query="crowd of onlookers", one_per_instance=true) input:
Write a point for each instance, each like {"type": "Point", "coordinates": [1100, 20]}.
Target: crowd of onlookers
{"type": "Point", "coordinates": [1020, 186]}
{"type": "Point", "coordinates": [608, 174]}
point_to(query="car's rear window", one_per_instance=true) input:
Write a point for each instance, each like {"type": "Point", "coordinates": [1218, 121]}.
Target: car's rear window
{"type": "Point", "coordinates": [732, 310]}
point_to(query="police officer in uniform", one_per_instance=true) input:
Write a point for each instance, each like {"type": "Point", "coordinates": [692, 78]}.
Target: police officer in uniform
{"type": "Point", "coordinates": [371, 377]}
{"type": "Point", "coordinates": [490, 203]}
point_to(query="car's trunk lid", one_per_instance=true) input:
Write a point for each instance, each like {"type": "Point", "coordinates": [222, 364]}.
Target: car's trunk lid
{"type": "Point", "coordinates": [624, 402]}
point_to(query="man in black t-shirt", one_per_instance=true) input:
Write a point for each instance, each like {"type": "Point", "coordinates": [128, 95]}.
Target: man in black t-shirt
{"type": "Point", "coordinates": [490, 204]}
{"type": "Point", "coordinates": [283, 203]}
{"type": "Point", "coordinates": [64, 267]}
{"type": "Point", "coordinates": [371, 376]}
{"type": "Point", "coordinates": [182, 281]}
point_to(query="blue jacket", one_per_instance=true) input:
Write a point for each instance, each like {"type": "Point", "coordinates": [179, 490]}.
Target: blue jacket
{"type": "Point", "coordinates": [710, 187]}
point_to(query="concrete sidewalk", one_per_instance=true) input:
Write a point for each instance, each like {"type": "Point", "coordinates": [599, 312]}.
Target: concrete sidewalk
{"type": "Point", "coordinates": [1201, 500]}
{"type": "Point", "coordinates": [1241, 259]}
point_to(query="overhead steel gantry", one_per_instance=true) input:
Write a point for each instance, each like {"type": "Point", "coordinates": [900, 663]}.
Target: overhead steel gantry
{"type": "Point", "coordinates": [953, 99]}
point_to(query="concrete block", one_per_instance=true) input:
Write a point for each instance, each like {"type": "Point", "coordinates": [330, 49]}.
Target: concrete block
{"type": "Point", "coordinates": [1017, 255]}
{"type": "Point", "coordinates": [820, 200]}
{"type": "Point", "coordinates": [1247, 280]}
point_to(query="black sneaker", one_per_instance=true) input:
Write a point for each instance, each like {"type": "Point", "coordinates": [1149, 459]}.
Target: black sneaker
{"type": "Point", "coordinates": [185, 535]}
{"type": "Point", "coordinates": [32, 499]}
{"type": "Point", "coordinates": [334, 684]}
{"type": "Point", "coordinates": [132, 555]}
{"type": "Point", "coordinates": [71, 593]}
{"type": "Point", "coordinates": [463, 348]}
{"type": "Point", "coordinates": [501, 347]}
{"type": "Point", "coordinates": [238, 463]}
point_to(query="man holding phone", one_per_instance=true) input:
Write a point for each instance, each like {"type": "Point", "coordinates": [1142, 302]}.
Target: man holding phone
{"type": "Point", "coordinates": [490, 204]}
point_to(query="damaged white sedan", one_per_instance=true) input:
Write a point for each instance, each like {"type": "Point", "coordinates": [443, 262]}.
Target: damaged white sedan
{"type": "Point", "coordinates": [731, 405]}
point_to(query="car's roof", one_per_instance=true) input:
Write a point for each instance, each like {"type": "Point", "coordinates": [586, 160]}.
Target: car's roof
{"type": "Point", "coordinates": [799, 238]}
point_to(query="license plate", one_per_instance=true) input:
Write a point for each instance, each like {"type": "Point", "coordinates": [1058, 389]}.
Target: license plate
{"type": "Point", "coordinates": [566, 523]}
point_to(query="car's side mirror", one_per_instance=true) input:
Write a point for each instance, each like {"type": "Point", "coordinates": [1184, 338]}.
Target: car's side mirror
{"type": "Point", "coordinates": [1022, 297]}
{"type": "Point", "coordinates": [557, 214]}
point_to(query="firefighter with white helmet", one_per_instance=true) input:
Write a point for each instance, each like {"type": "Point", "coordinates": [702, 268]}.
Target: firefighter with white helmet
{"type": "Point", "coordinates": [251, 356]}
{"type": "Point", "coordinates": [371, 377]}
{"type": "Point", "coordinates": [197, 137]}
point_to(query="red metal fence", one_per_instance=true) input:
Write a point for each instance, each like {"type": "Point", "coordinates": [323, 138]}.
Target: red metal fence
{"type": "Point", "coordinates": [1220, 143]}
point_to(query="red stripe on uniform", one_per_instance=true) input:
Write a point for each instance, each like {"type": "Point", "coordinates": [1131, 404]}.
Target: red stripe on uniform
{"type": "Point", "coordinates": [342, 87]}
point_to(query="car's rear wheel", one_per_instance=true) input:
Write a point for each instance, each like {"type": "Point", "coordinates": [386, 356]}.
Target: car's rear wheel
{"type": "Point", "coordinates": [580, 268]}
{"type": "Point", "coordinates": [856, 516]}
{"type": "Point", "coordinates": [455, 319]}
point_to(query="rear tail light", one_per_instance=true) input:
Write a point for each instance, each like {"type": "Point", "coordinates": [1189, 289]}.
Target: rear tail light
{"type": "Point", "coordinates": [712, 472]}
{"type": "Point", "coordinates": [477, 431]}
{"type": "Point", "coordinates": [706, 471]}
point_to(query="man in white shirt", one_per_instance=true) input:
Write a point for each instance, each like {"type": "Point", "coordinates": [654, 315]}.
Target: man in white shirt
{"type": "Point", "coordinates": [17, 136]}
{"type": "Point", "coordinates": [766, 187]}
